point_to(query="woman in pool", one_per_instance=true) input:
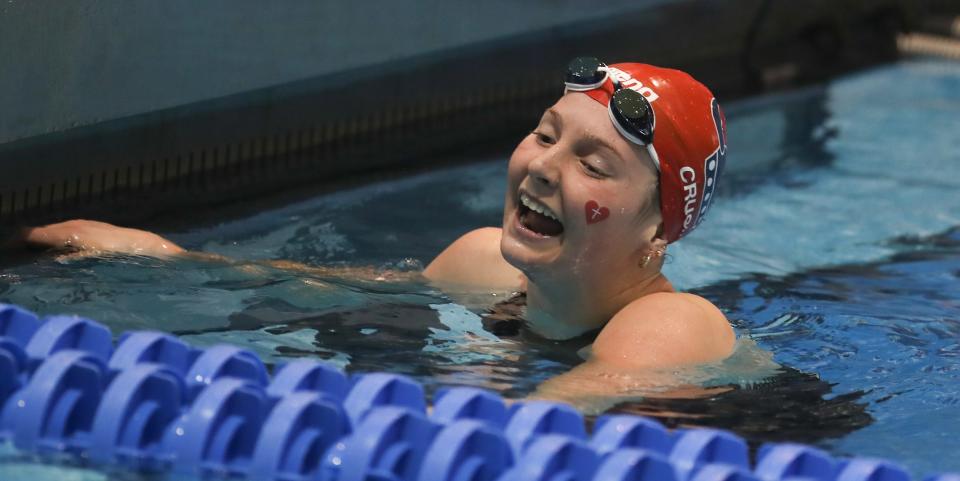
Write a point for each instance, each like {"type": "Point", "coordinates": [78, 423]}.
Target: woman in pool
{"type": "Point", "coordinates": [621, 166]}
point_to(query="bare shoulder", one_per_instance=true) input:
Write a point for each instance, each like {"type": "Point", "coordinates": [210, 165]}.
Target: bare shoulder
{"type": "Point", "coordinates": [474, 260]}
{"type": "Point", "coordinates": [665, 329]}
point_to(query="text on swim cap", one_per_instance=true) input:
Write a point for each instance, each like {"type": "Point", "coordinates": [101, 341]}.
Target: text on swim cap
{"type": "Point", "coordinates": [628, 82]}
{"type": "Point", "coordinates": [713, 164]}
{"type": "Point", "coordinates": [689, 178]}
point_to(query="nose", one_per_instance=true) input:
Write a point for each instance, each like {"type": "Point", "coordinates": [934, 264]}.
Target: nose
{"type": "Point", "coordinates": [544, 169]}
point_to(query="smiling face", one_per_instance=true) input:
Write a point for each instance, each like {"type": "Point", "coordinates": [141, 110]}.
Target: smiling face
{"type": "Point", "coordinates": [581, 200]}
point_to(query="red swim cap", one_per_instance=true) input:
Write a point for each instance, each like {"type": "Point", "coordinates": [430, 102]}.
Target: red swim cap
{"type": "Point", "coordinates": [689, 138]}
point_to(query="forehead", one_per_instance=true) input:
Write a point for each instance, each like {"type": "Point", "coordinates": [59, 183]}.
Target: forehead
{"type": "Point", "coordinates": [587, 119]}
{"type": "Point", "coordinates": [580, 111]}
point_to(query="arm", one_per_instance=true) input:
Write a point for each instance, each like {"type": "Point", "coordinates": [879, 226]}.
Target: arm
{"type": "Point", "coordinates": [472, 260]}
{"type": "Point", "coordinates": [644, 351]}
{"type": "Point", "coordinates": [93, 237]}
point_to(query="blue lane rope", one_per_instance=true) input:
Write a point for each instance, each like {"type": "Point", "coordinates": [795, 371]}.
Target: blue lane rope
{"type": "Point", "coordinates": [154, 404]}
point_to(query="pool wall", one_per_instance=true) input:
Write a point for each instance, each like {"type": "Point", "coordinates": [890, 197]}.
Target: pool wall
{"type": "Point", "coordinates": [117, 110]}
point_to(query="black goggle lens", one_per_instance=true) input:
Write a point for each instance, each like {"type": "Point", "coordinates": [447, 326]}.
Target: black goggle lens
{"type": "Point", "coordinates": [634, 113]}
{"type": "Point", "coordinates": [584, 71]}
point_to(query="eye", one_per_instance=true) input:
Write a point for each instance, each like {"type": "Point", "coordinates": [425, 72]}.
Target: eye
{"type": "Point", "coordinates": [543, 138]}
{"type": "Point", "coordinates": [592, 170]}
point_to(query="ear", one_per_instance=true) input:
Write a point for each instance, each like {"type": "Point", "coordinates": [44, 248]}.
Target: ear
{"type": "Point", "coordinates": [658, 241]}
{"type": "Point", "coordinates": [655, 243]}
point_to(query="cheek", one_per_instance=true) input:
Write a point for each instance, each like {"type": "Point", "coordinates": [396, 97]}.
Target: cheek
{"type": "Point", "coordinates": [603, 217]}
{"type": "Point", "coordinates": [520, 159]}
{"type": "Point", "coordinates": [594, 207]}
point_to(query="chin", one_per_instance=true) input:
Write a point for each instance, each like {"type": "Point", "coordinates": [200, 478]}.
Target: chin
{"type": "Point", "coordinates": [514, 256]}
{"type": "Point", "coordinates": [509, 248]}
{"type": "Point", "coordinates": [529, 259]}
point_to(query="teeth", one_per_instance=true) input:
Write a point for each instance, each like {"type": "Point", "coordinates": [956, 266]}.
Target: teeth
{"type": "Point", "coordinates": [537, 207]}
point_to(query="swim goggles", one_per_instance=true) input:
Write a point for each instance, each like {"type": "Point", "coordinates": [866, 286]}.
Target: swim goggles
{"type": "Point", "coordinates": [630, 112]}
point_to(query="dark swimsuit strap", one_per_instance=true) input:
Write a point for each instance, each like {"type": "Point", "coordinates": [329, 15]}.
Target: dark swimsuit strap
{"type": "Point", "coordinates": [505, 319]}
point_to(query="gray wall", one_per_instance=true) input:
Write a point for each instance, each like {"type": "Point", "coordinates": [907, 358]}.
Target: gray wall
{"type": "Point", "coordinates": [72, 63]}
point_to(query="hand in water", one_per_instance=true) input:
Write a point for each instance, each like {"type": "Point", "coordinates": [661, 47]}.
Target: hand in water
{"type": "Point", "coordinates": [92, 237]}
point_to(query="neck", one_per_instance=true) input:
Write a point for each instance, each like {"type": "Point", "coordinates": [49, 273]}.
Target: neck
{"type": "Point", "coordinates": [566, 308]}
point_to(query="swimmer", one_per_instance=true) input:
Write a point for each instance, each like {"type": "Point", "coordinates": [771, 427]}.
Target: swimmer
{"type": "Point", "coordinates": [622, 165]}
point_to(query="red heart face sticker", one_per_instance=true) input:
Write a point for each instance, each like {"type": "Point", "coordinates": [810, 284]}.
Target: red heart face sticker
{"type": "Point", "coordinates": [594, 212]}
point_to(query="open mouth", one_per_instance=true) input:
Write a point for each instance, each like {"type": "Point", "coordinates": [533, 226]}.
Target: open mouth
{"type": "Point", "coordinates": [537, 217]}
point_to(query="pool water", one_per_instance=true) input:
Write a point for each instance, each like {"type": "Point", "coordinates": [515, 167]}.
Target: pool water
{"type": "Point", "coordinates": [834, 245]}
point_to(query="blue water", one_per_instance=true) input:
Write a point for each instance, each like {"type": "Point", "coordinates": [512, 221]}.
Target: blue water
{"type": "Point", "coordinates": [833, 245]}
